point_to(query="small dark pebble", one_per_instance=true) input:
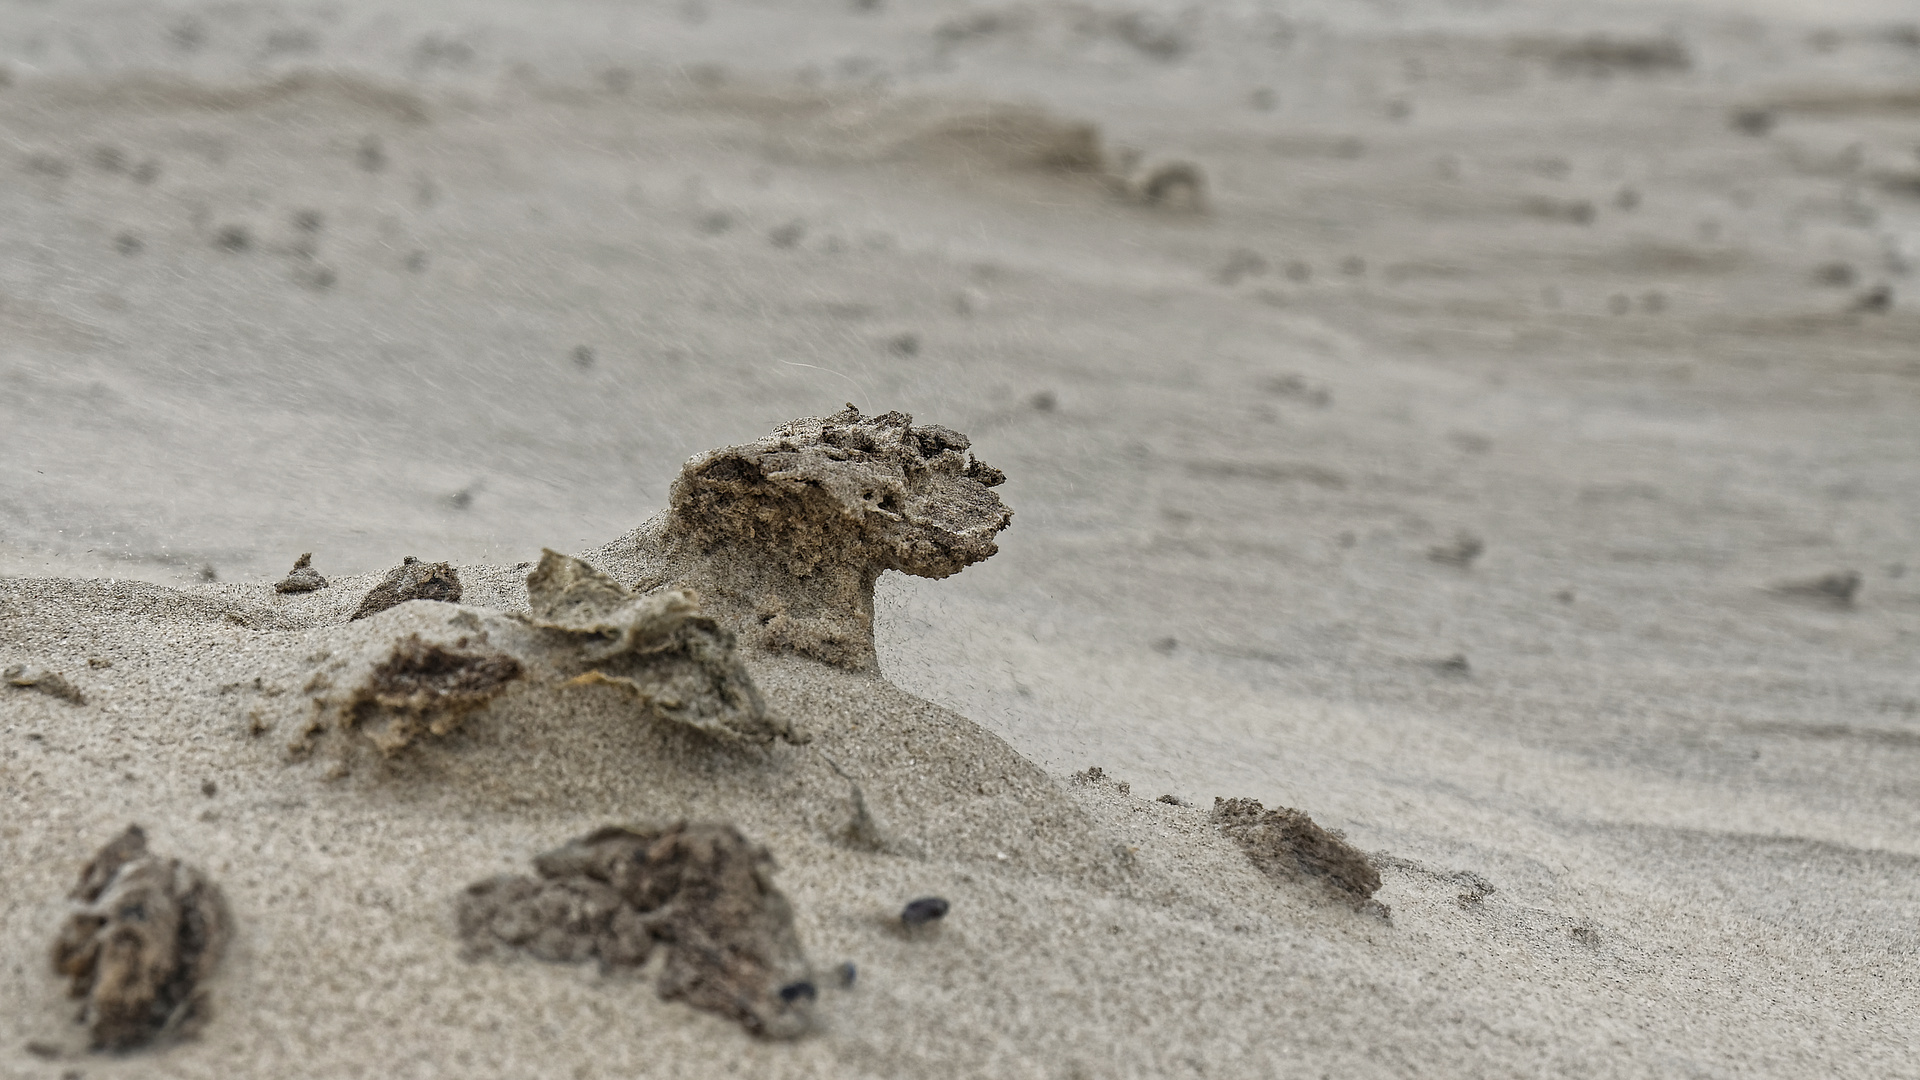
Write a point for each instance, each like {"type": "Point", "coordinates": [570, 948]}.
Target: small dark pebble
{"type": "Point", "coordinates": [923, 911]}
{"type": "Point", "coordinates": [794, 991]}
{"type": "Point", "coordinates": [847, 973]}
{"type": "Point", "coordinates": [1044, 401]}
{"type": "Point", "coordinates": [209, 788]}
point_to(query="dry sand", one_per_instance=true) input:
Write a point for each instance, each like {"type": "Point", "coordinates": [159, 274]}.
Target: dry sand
{"type": "Point", "coordinates": [1448, 475]}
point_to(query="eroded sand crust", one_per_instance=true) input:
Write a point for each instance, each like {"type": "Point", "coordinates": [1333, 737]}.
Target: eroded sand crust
{"type": "Point", "coordinates": [1484, 427]}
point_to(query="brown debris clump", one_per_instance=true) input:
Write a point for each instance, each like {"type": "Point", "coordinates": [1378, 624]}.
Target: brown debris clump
{"type": "Point", "coordinates": [424, 686]}
{"type": "Point", "coordinates": [703, 892]}
{"type": "Point", "coordinates": [411, 580]}
{"type": "Point", "coordinates": [147, 933]}
{"type": "Point", "coordinates": [304, 578]}
{"type": "Point", "coordinates": [786, 536]}
{"type": "Point", "coordinates": [660, 646]}
{"type": "Point", "coordinates": [45, 681]}
{"type": "Point", "coordinates": [1282, 842]}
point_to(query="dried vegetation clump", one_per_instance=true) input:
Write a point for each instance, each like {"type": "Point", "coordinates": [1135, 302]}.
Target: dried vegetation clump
{"type": "Point", "coordinates": [704, 893]}
{"type": "Point", "coordinates": [145, 934]}
{"type": "Point", "coordinates": [1284, 843]}
{"type": "Point", "coordinates": [411, 580]}
{"type": "Point", "coordinates": [424, 687]}
{"type": "Point", "coordinates": [678, 661]}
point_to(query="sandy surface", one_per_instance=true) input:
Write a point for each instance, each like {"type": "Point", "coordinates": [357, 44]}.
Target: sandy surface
{"type": "Point", "coordinates": [468, 282]}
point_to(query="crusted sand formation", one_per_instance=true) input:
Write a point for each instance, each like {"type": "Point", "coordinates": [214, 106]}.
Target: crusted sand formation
{"type": "Point", "coordinates": [1284, 842]}
{"type": "Point", "coordinates": [45, 680]}
{"type": "Point", "coordinates": [677, 661]}
{"type": "Point", "coordinates": [302, 578]}
{"type": "Point", "coordinates": [145, 933]}
{"type": "Point", "coordinates": [703, 892]}
{"type": "Point", "coordinates": [424, 687]}
{"type": "Point", "coordinates": [411, 580]}
{"type": "Point", "coordinates": [783, 538]}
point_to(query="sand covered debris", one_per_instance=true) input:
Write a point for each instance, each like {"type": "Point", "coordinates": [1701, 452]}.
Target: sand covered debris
{"type": "Point", "coordinates": [703, 892]}
{"type": "Point", "coordinates": [1837, 588]}
{"type": "Point", "coordinates": [411, 580]}
{"type": "Point", "coordinates": [45, 680]}
{"type": "Point", "coordinates": [427, 687]}
{"type": "Point", "coordinates": [786, 536]}
{"type": "Point", "coordinates": [1283, 842]}
{"type": "Point", "coordinates": [145, 934]}
{"type": "Point", "coordinates": [302, 578]}
{"type": "Point", "coordinates": [660, 646]}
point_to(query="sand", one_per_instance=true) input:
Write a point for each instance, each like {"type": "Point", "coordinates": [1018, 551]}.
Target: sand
{"type": "Point", "coordinates": [1473, 459]}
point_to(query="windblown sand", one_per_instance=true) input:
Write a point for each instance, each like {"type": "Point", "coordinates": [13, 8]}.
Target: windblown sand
{"type": "Point", "coordinates": [1507, 458]}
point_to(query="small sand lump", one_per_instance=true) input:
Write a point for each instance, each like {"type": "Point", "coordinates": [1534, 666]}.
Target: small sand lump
{"type": "Point", "coordinates": [45, 681]}
{"type": "Point", "coordinates": [703, 892]}
{"type": "Point", "coordinates": [145, 933]}
{"type": "Point", "coordinates": [302, 578]}
{"type": "Point", "coordinates": [411, 580]}
{"type": "Point", "coordinates": [680, 663]}
{"type": "Point", "coordinates": [1282, 842]}
{"type": "Point", "coordinates": [424, 686]}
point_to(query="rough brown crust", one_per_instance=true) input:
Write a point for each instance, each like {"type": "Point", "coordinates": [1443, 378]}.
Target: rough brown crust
{"type": "Point", "coordinates": [411, 580]}
{"type": "Point", "coordinates": [1285, 842]}
{"type": "Point", "coordinates": [303, 578]}
{"type": "Point", "coordinates": [677, 660]}
{"type": "Point", "coordinates": [787, 535]}
{"type": "Point", "coordinates": [425, 687]}
{"type": "Point", "coordinates": [703, 892]}
{"type": "Point", "coordinates": [147, 931]}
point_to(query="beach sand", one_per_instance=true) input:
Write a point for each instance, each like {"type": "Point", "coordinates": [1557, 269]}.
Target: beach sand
{"type": "Point", "coordinates": [1487, 429]}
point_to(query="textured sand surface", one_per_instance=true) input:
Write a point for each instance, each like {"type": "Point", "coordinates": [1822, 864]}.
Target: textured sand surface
{"type": "Point", "coordinates": [1447, 478]}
